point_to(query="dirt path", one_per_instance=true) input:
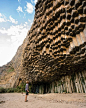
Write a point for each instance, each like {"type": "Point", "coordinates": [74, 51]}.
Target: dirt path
{"type": "Point", "coordinates": [16, 100]}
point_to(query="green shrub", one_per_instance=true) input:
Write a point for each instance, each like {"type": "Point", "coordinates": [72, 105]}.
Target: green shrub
{"type": "Point", "coordinates": [56, 92]}
{"type": "Point", "coordinates": [10, 90]}
{"type": "Point", "coordinates": [21, 87]}
{"type": "Point", "coordinates": [2, 90]}
{"type": "Point", "coordinates": [19, 90]}
{"type": "Point", "coordinates": [11, 69]}
{"type": "Point", "coordinates": [15, 89]}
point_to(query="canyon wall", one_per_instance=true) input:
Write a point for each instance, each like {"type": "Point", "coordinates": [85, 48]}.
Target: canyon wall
{"type": "Point", "coordinates": [56, 41]}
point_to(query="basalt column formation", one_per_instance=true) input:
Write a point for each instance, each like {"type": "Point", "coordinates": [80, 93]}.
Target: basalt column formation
{"type": "Point", "coordinates": [56, 47]}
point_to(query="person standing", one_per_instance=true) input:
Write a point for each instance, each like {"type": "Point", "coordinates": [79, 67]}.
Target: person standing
{"type": "Point", "coordinates": [27, 90]}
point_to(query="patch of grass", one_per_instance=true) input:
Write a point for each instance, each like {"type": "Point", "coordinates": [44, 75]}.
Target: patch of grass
{"type": "Point", "coordinates": [11, 69]}
{"type": "Point", "coordinates": [10, 90]}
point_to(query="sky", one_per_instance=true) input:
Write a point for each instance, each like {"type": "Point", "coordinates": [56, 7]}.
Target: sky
{"type": "Point", "coordinates": [16, 18]}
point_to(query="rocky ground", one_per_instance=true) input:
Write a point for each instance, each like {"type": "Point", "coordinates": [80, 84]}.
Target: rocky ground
{"type": "Point", "coordinates": [16, 100]}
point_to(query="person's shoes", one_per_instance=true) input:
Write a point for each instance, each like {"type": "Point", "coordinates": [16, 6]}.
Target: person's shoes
{"type": "Point", "coordinates": [26, 101]}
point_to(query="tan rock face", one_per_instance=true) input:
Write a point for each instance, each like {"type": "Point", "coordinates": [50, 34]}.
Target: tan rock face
{"type": "Point", "coordinates": [55, 46]}
{"type": "Point", "coordinates": [7, 76]}
{"type": "Point", "coordinates": [57, 40]}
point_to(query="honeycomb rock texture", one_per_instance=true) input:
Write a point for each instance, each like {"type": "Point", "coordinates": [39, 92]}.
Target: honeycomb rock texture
{"type": "Point", "coordinates": [55, 45]}
{"type": "Point", "coordinates": [56, 41]}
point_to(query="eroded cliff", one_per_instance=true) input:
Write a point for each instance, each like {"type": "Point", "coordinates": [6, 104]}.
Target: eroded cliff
{"type": "Point", "coordinates": [56, 41]}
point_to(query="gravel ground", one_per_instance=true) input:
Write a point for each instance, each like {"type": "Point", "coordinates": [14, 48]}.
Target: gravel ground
{"type": "Point", "coordinates": [52, 100]}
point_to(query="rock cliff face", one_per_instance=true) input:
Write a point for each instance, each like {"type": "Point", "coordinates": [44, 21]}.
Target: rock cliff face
{"type": "Point", "coordinates": [55, 47]}
{"type": "Point", "coordinates": [56, 40]}
{"type": "Point", "coordinates": [7, 76]}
